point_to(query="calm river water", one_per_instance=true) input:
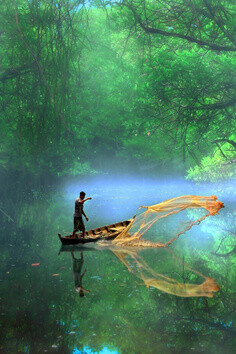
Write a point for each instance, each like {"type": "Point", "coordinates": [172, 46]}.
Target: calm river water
{"type": "Point", "coordinates": [41, 311]}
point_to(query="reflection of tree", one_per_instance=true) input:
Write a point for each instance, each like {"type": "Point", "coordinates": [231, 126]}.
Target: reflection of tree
{"type": "Point", "coordinates": [225, 254]}
{"type": "Point", "coordinates": [136, 265]}
{"type": "Point", "coordinates": [228, 233]}
{"type": "Point", "coordinates": [222, 230]}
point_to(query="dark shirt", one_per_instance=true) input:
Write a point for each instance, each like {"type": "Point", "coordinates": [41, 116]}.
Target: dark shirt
{"type": "Point", "coordinates": [78, 208]}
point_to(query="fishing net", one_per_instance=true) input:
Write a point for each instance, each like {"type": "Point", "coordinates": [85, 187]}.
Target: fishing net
{"type": "Point", "coordinates": [137, 266]}
{"type": "Point", "coordinates": [132, 234]}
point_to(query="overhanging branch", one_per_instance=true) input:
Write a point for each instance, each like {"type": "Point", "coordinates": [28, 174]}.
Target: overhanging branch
{"type": "Point", "coordinates": [218, 105]}
{"type": "Point", "coordinates": [200, 42]}
{"type": "Point", "coordinates": [224, 140]}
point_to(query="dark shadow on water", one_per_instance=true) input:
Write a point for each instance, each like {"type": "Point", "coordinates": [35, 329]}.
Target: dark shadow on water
{"type": "Point", "coordinates": [79, 274]}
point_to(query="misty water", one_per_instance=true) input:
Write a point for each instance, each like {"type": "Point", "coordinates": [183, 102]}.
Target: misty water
{"type": "Point", "coordinates": [42, 312]}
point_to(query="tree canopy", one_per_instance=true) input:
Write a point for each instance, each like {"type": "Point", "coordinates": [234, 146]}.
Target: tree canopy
{"type": "Point", "coordinates": [104, 85]}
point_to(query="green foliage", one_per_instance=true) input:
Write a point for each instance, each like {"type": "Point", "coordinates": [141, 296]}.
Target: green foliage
{"type": "Point", "coordinates": [86, 84]}
{"type": "Point", "coordinates": [216, 168]}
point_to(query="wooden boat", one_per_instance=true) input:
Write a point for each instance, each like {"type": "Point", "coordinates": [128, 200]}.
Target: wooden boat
{"type": "Point", "coordinates": [108, 232]}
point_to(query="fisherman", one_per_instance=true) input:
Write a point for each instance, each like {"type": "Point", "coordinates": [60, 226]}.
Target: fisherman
{"type": "Point", "coordinates": [78, 275]}
{"type": "Point", "coordinates": [79, 212]}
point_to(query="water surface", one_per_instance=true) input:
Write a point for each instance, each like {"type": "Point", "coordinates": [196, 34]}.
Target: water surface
{"type": "Point", "coordinates": [41, 311]}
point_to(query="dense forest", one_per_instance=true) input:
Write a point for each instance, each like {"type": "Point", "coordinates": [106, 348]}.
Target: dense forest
{"type": "Point", "coordinates": [101, 86]}
{"type": "Point", "coordinates": [115, 97]}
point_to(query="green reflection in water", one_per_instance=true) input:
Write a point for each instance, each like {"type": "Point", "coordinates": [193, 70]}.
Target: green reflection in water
{"type": "Point", "coordinates": [41, 310]}
{"type": "Point", "coordinates": [104, 350]}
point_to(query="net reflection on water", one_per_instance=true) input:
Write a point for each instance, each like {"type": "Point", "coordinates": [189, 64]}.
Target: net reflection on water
{"type": "Point", "coordinates": [137, 266]}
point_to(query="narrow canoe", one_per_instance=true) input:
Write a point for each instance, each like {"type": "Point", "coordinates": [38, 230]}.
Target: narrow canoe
{"type": "Point", "coordinates": [107, 232]}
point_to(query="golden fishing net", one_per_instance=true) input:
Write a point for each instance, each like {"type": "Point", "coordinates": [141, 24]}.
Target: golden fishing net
{"type": "Point", "coordinates": [137, 266]}
{"type": "Point", "coordinates": [132, 234]}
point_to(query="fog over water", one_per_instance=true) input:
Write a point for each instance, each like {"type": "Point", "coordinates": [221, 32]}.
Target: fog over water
{"type": "Point", "coordinates": [130, 192]}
